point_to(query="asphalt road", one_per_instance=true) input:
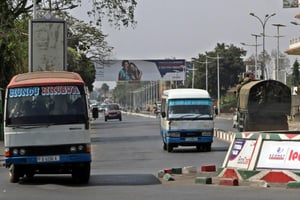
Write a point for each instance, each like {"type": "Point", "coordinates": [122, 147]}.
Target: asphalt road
{"type": "Point", "coordinates": [127, 156]}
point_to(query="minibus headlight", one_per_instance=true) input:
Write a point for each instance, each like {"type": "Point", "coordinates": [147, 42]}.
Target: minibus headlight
{"type": "Point", "coordinates": [73, 149]}
{"type": "Point", "coordinates": [174, 134]}
{"type": "Point", "coordinates": [22, 152]}
{"type": "Point", "coordinates": [80, 148]}
{"type": "Point", "coordinates": [206, 133]}
{"type": "Point", "coordinates": [15, 152]}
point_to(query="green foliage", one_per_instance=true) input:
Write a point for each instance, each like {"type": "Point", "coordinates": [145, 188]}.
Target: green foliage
{"type": "Point", "coordinates": [81, 64]}
{"type": "Point", "coordinates": [85, 38]}
{"type": "Point", "coordinates": [230, 66]}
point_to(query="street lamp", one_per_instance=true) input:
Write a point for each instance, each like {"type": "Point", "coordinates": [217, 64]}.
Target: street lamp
{"type": "Point", "coordinates": [218, 77]}
{"type": "Point", "coordinates": [277, 58]}
{"type": "Point", "coordinates": [206, 72]}
{"type": "Point", "coordinates": [254, 45]}
{"type": "Point", "coordinates": [263, 23]}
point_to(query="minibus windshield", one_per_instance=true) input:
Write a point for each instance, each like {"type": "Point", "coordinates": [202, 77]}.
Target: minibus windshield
{"type": "Point", "coordinates": [46, 105]}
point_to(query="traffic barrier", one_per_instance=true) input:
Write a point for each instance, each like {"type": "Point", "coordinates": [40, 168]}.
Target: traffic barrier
{"type": "Point", "coordinates": [168, 171]}
{"type": "Point", "coordinates": [189, 170]}
{"type": "Point", "coordinates": [272, 157]}
{"type": "Point", "coordinates": [229, 181]}
{"type": "Point", "coordinates": [293, 184]}
{"type": "Point", "coordinates": [168, 177]}
{"type": "Point", "coordinates": [203, 180]}
{"type": "Point", "coordinates": [208, 168]}
{"type": "Point", "coordinates": [227, 136]}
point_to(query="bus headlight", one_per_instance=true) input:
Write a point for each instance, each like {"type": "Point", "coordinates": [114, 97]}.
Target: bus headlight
{"type": "Point", "coordinates": [174, 134]}
{"type": "Point", "coordinates": [206, 133]}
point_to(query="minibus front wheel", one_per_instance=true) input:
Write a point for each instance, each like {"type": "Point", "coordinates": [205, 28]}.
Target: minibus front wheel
{"type": "Point", "coordinates": [14, 173]}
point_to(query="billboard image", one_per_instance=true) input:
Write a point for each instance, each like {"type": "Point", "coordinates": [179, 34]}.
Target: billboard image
{"type": "Point", "coordinates": [290, 4]}
{"type": "Point", "coordinates": [48, 45]}
{"type": "Point", "coordinates": [280, 155]}
{"type": "Point", "coordinates": [140, 70]}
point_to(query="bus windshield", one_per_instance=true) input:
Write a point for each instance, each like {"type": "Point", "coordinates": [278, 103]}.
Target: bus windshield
{"type": "Point", "coordinates": [189, 109]}
{"type": "Point", "coordinates": [46, 105]}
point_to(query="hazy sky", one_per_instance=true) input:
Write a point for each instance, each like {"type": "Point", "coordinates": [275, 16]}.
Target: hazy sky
{"type": "Point", "coordinates": [184, 28]}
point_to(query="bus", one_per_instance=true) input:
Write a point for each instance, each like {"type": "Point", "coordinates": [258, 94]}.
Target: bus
{"type": "Point", "coordinates": [47, 126]}
{"type": "Point", "coordinates": [187, 119]}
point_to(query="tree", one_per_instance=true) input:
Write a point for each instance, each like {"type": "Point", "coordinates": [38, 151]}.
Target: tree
{"type": "Point", "coordinates": [295, 74]}
{"type": "Point", "coordinates": [230, 66]}
{"type": "Point", "coordinates": [14, 16]}
{"type": "Point", "coordinates": [104, 89]}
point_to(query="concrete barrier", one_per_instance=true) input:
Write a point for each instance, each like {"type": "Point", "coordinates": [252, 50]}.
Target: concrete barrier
{"type": "Point", "coordinates": [227, 136]}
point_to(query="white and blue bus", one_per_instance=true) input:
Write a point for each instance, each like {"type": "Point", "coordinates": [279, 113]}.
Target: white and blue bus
{"type": "Point", "coordinates": [187, 119]}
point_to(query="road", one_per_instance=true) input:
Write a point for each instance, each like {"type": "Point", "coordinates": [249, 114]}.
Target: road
{"type": "Point", "coordinates": [127, 156]}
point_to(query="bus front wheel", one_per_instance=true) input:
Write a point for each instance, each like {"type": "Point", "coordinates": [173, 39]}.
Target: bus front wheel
{"type": "Point", "coordinates": [14, 173]}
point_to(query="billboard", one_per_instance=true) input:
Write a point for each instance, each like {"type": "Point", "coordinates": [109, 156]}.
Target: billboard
{"type": "Point", "coordinates": [140, 70]}
{"type": "Point", "coordinates": [290, 4]}
{"type": "Point", "coordinates": [47, 45]}
{"type": "Point", "coordinates": [280, 155]}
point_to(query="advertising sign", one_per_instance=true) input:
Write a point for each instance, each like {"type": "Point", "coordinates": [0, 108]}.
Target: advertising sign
{"type": "Point", "coordinates": [140, 70]}
{"type": "Point", "coordinates": [290, 4]}
{"type": "Point", "coordinates": [47, 45]}
{"type": "Point", "coordinates": [280, 155]}
{"type": "Point", "coordinates": [241, 153]}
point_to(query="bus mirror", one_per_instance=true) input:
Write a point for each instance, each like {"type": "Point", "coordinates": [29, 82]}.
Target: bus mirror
{"type": "Point", "coordinates": [163, 114]}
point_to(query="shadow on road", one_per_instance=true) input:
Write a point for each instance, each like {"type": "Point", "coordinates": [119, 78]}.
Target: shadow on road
{"type": "Point", "coordinates": [95, 180]}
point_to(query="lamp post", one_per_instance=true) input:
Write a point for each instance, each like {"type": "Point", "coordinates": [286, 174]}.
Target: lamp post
{"type": "Point", "coordinates": [218, 78]}
{"type": "Point", "coordinates": [206, 72]}
{"type": "Point", "coordinates": [277, 58]}
{"type": "Point", "coordinates": [254, 45]}
{"type": "Point", "coordinates": [263, 23]}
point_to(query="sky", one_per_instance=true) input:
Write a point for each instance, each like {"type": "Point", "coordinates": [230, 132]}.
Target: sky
{"type": "Point", "coordinates": [182, 29]}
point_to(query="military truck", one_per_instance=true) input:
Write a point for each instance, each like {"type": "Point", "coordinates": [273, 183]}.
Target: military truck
{"type": "Point", "coordinates": [263, 105]}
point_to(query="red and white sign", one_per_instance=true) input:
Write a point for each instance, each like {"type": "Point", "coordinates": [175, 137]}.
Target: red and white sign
{"type": "Point", "coordinates": [279, 155]}
{"type": "Point", "coordinates": [241, 153]}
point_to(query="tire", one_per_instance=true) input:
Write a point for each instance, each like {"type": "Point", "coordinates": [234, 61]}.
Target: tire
{"type": "Point", "coordinates": [14, 173]}
{"type": "Point", "coordinates": [81, 174]}
{"type": "Point", "coordinates": [207, 147]}
{"type": "Point", "coordinates": [164, 146]}
{"type": "Point", "coordinates": [199, 148]}
{"type": "Point", "coordinates": [105, 118]}
{"type": "Point", "coordinates": [169, 147]}
{"type": "Point", "coordinates": [120, 118]}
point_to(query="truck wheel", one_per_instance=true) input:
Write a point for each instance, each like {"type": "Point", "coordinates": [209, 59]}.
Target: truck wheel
{"type": "Point", "coordinates": [14, 173]}
{"type": "Point", "coordinates": [169, 147]}
{"type": "Point", "coordinates": [81, 174]}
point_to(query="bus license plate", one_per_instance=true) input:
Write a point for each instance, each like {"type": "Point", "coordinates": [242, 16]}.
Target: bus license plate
{"type": "Point", "coordinates": [191, 139]}
{"type": "Point", "coordinates": [47, 158]}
